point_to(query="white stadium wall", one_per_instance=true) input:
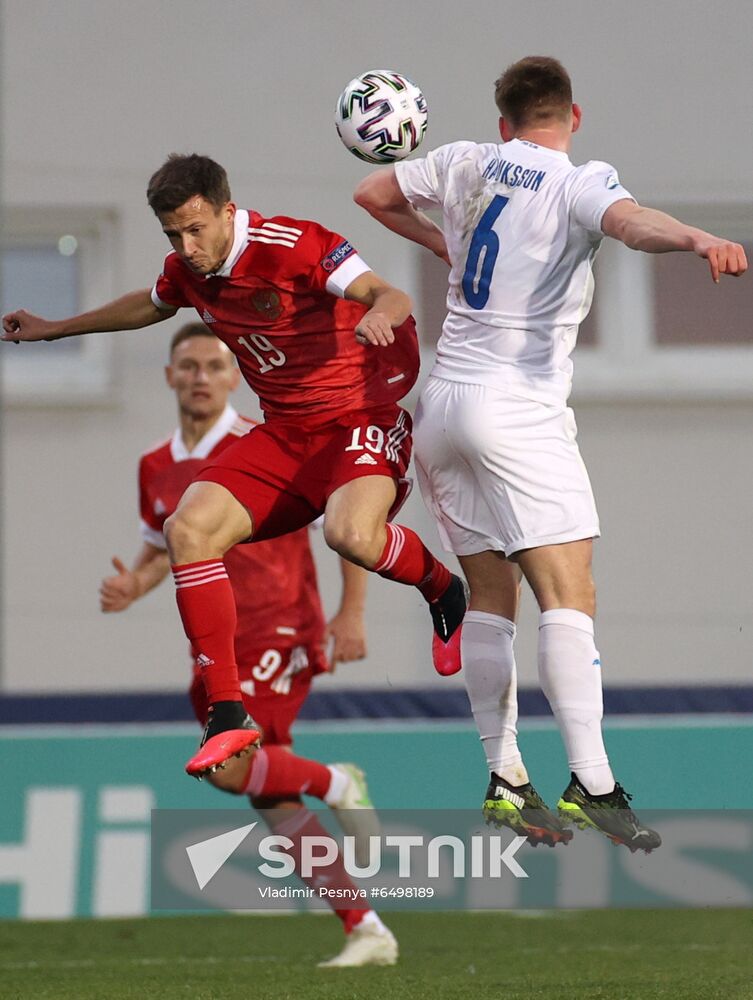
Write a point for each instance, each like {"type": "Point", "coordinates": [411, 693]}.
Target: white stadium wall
{"type": "Point", "coordinates": [95, 94]}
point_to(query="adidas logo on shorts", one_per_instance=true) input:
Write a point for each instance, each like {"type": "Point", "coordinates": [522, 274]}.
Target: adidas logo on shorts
{"type": "Point", "coordinates": [203, 661]}
{"type": "Point", "coordinates": [366, 459]}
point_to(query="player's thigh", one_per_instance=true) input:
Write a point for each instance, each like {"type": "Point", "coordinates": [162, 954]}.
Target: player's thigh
{"type": "Point", "coordinates": [368, 458]}
{"type": "Point", "coordinates": [372, 442]}
{"type": "Point", "coordinates": [359, 507]}
{"type": "Point", "coordinates": [533, 473]}
{"type": "Point", "coordinates": [448, 450]}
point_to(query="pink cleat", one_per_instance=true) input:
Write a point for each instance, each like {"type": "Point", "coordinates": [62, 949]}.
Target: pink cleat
{"type": "Point", "coordinates": [229, 732]}
{"type": "Point", "coordinates": [446, 655]}
{"type": "Point", "coordinates": [447, 615]}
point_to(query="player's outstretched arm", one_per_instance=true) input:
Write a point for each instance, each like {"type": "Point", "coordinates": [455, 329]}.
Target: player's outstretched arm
{"type": "Point", "coordinates": [652, 231]}
{"type": "Point", "coordinates": [381, 196]}
{"type": "Point", "coordinates": [346, 631]}
{"type": "Point", "coordinates": [130, 312]}
{"type": "Point", "coordinates": [388, 307]}
{"type": "Point", "coordinates": [150, 568]}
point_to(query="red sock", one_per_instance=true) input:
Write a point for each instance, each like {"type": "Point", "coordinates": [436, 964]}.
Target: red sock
{"type": "Point", "coordinates": [207, 609]}
{"type": "Point", "coordinates": [278, 774]}
{"type": "Point", "coordinates": [406, 559]}
{"type": "Point", "coordinates": [300, 823]}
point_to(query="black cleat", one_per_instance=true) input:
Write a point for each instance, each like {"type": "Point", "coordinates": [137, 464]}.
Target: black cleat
{"type": "Point", "coordinates": [447, 614]}
{"type": "Point", "coordinates": [521, 808]}
{"type": "Point", "coordinates": [610, 814]}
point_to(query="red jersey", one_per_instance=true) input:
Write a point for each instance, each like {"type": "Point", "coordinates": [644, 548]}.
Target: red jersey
{"type": "Point", "coordinates": [275, 304]}
{"type": "Point", "coordinates": [274, 582]}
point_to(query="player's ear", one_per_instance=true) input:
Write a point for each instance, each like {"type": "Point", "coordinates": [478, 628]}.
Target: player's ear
{"type": "Point", "coordinates": [577, 117]}
{"type": "Point", "coordinates": [235, 378]}
{"type": "Point", "coordinates": [504, 130]}
{"type": "Point", "coordinates": [169, 376]}
{"type": "Point", "coordinates": [229, 210]}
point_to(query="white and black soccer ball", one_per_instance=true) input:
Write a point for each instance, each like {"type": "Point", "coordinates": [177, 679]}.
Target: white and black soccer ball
{"type": "Point", "coordinates": [381, 116]}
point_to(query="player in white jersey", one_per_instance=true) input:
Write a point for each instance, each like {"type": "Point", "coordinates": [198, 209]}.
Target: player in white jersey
{"type": "Point", "coordinates": [495, 446]}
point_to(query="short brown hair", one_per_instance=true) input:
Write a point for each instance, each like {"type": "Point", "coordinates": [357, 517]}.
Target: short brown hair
{"type": "Point", "coordinates": [187, 332]}
{"type": "Point", "coordinates": [182, 176]}
{"type": "Point", "coordinates": [532, 90]}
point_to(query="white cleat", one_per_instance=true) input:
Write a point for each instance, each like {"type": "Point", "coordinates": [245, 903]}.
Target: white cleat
{"type": "Point", "coordinates": [365, 946]}
{"type": "Point", "coordinates": [355, 812]}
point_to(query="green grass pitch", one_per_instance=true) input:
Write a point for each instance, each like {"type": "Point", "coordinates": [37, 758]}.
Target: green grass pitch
{"type": "Point", "coordinates": [620, 955]}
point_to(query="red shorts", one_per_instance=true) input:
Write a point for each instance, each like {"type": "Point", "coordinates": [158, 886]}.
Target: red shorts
{"type": "Point", "coordinates": [274, 685]}
{"type": "Point", "coordinates": [283, 472]}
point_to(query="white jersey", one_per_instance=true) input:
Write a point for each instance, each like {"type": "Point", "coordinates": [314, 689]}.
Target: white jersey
{"type": "Point", "coordinates": [522, 225]}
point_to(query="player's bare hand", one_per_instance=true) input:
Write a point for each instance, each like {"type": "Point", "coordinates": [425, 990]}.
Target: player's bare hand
{"type": "Point", "coordinates": [346, 636]}
{"type": "Point", "coordinates": [375, 329]}
{"type": "Point", "coordinates": [724, 257]}
{"type": "Point", "coordinates": [24, 326]}
{"type": "Point", "coordinates": [117, 592]}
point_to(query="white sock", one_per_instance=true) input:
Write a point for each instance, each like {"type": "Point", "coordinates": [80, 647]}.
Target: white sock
{"type": "Point", "coordinates": [486, 647]}
{"type": "Point", "coordinates": [372, 921]}
{"type": "Point", "coordinates": [570, 677]}
{"type": "Point", "coordinates": [338, 782]}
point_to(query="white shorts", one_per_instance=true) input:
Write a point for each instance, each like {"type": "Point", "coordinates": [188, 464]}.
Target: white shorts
{"type": "Point", "coordinates": [500, 472]}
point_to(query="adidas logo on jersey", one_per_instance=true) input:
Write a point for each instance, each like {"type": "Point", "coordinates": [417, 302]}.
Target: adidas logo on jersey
{"type": "Point", "coordinates": [203, 661]}
{"type": "Point", "coordinates": [366, 459]}
{"type": "Point", "coordinates": [208, 317]}
{"type": "Point", "coordinates": [504, 793]}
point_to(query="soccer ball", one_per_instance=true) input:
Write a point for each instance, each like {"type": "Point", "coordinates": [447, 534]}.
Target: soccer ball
{"type": "Point", "coordinates": [381, 116]}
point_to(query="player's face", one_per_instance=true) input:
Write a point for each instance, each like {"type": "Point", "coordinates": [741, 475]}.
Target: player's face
{"type": "Point", "coordinates": [202, 373]}
{"type": "Point", "coordinates": [200, 234]}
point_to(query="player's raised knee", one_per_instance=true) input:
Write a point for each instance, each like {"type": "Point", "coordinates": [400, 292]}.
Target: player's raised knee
{"type": "Point", "coordinates": [185, 540]}
{"type": "Point", "coordinates": [354, 542]}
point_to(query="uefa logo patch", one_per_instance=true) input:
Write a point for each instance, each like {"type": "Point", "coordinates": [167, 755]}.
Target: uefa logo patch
{"type": "Point", "coordinates": [337, 256]}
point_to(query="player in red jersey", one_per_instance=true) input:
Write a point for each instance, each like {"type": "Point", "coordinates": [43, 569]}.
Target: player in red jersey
{"type": "Point", "coordinates": [281, 630]}
{"type": "Point", "coordinates": [330, 348]}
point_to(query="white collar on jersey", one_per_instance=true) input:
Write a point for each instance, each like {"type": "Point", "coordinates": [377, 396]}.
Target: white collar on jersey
{"type": "Point", "coordinates": [213, 436]}
{"type": "Point", "coordinates": [240, 242]}
{"type": "Point", "coordinates": [560, 153]}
